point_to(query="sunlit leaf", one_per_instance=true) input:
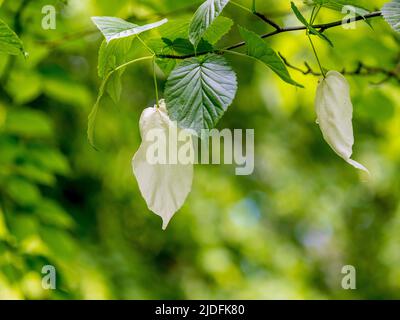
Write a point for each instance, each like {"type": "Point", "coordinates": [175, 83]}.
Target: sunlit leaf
{"type": "Point", "coordinates": [116, 28]}
{"type": "Point", "coordinates": [259, 50]}
{"type": "Point", "coordinates": [10, 43]}
{"type": "Point", "coordinates": [204, 17]}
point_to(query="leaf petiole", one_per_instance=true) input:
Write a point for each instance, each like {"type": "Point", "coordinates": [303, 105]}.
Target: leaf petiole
{"type": "Point", "coordinates": [314, 15]}
{"type": "Point", "coordinates": [155, 81]}
{"type": "Point", "coordinates": [316, 56]}
{"type": "Point", "coordinates": [95, 109]}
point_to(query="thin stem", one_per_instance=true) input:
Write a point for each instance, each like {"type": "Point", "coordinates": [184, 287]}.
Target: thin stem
{"type": "Point", "coordinates": [240, 6]}
{"type": "Point", "coordinates": [253, 6]}
{"type": "Point", "coordinates": [236, 53]}
{"type": "Point", "coordinates": [154, 70]}
{"type": "Point", "coordinates": [146, 46]}
{"type": "Point", "coordinates": [155, 81]}
{"type": "Point", "coordinates": [316, 56]}
{"type": "Point", "coordinates": [314, 15]}
{"type": "Point", "coordinates": [129, 63]}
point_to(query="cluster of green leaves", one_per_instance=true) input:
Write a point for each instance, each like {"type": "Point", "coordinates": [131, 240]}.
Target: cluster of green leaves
{"type": "Point", "coordinates": [35, 228]}
{"type": "Point", "coordinates": [196, 95]}
{"type": "Point", "coordinates": [201, 84]}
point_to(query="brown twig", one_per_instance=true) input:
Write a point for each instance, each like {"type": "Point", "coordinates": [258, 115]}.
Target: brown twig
{"type": "Point", "coordinates": [361, 70]}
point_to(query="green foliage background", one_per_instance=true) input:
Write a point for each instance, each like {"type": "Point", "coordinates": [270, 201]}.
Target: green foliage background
{"type": "Point", "coordinates": [284, 232]}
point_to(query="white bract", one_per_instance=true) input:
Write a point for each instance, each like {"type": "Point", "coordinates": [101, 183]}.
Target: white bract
{"type": "Point", "coordinates": [164, 187]}
{"type": "Point", "coordinates": [334, 115]}
{"type": "Point", "coordinates": [391, 13]}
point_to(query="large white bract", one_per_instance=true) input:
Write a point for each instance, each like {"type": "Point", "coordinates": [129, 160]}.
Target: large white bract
{"type": "Point", "coordinates": [335, 113]}
{"type": "Point", "coordinates": [164, 187]}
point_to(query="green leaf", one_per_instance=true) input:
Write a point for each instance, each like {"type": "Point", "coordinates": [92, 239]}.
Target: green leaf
{"type": "Point", "coordinates": [28, 123]}
{"type": "Point", "coordinates": [174, 40]}
{"type": "Point", "coordinates": [338, 5]}
{"type": "Point", "coordinates": [23, 192]}
{"type": "Point", "coordinates": [391, 13]}
{"type": "Point", "coordinates": [10, 43]}
{"type": "Point", "coordinates": [220, 27]}
{"type": "Point", "coordinates": [310, 28]}
{"type": "Point", "coordinates": [93, 114]}
{"type": "Point", "coordinates": [259, 50]}
{"type": "Point", "coordinates": [199, 91]}
{"type": "Point", "coordinates": [116, 28]}
{"type": "Point", "coordinates": [204, 17]}
{"type": "Point", "coordinates": [111, 55]}
{"type": "Point", "coordinates": [299, 16]}
{"type": "Point", "coordinates": [50, 213]}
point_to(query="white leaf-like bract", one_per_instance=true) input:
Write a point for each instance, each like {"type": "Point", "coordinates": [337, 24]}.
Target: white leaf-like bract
{"type": "Point", "coordinates": [164, 181]}
{"type": "Point", "coordinates": [391, 13]}
{"type": "Point", "coordinates": [334, 115]}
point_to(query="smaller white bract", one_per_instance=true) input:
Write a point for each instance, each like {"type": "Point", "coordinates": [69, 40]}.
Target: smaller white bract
{"type": "Point", "coordinates": [335, 113]}
{"type": "Point", "coordinates": [164, 187]}
{"type": "Point", "coordinates": [391, 13]}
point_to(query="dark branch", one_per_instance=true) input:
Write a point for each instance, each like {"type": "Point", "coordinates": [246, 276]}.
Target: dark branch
{"type": "Point", "coordinates": [268, 20]}
{"type": "Point", "coordinates": [361, 70]}
{"type": "Point", "coordinates": [321, 27]}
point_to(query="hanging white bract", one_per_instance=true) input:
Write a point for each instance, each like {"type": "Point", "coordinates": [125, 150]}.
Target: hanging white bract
{"type": "Point", "coordinates": [163, 180]}
{"type": "Point", "coordinates": [334, 114]}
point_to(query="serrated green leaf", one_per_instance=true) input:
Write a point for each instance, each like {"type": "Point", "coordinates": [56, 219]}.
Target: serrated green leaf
{"type": "Point", "coordinates": [391, 13]}
{"type": "Point", "coordinates": [219, 28]}
{"type": "Point", "coordinates": [10, 43]}
{"type": "Point", "coordinates": [310, 28]}
{"type": "Point", "coordinates": [259, 50]}
{"type": "Point", "coordinates": [116, 28]}
{"type": "Point", "coordinates": [203, 19]}
{"type": "Point", "coordinates": [199, 91]}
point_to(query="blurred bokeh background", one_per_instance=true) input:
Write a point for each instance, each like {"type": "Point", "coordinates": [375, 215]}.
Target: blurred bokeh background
{"type": "Point", "coordinates": [284, 232]}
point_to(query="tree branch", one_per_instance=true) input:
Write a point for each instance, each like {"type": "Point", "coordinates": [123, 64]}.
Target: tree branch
{"type": "Point", "coordinates": [321, 27]}
{"type": "Point", "coordinates": [267, 20]}
{"type": "Point", "coordinates": [361, 70]}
